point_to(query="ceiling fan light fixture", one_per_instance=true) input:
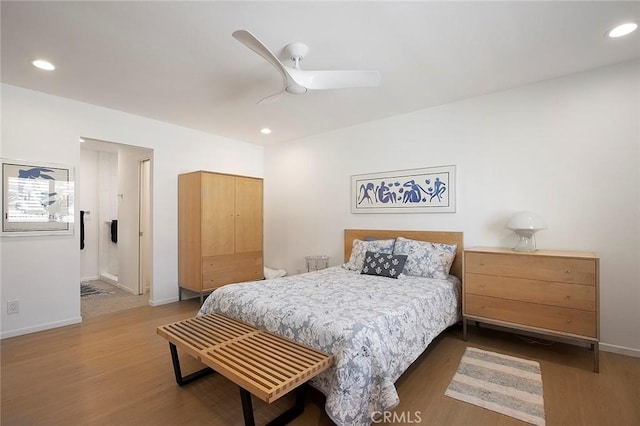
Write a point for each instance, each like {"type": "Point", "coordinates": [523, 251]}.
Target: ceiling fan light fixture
{"type": "Point", "coordinates": [43, 65]}
{"type": "Point", "coordinates": [296, 89]}
{"type": "Point", "coordinates": [622, 30]}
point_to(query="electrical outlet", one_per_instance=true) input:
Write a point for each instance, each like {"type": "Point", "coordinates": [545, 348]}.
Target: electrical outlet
{"type": "Point", "coordinates": [13, 306]}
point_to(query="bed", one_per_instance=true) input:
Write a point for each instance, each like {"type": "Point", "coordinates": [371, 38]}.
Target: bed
{"type": "Point", "coordinates": [375, 326]}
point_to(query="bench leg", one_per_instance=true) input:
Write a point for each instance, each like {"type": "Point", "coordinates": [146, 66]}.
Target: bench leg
{"type": "Point", "coordinates": [293, 412]}
{"type": "Point", "coordinates": [282, 419]}
{"type": "Point", "coordinates": [247, 407]}
{"type": "Point", "coordinates": [180, 380]}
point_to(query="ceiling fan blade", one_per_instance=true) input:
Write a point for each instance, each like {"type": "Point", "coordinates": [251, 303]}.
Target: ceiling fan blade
{"type": "Point", "coordinates": [271, 98]}
{"type": "Point", "coordinates": [339, 79]}
{"type": "Point", "coordinates": [249, 40]}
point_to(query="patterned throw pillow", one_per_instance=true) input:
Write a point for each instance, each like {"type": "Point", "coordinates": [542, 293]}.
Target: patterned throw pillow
{"type": "Point", "coordinates": [425, 259]}
{"type": "Point", "coordinates": [360, 248]}
{"type": "Point", "coordinates": [383, 264]}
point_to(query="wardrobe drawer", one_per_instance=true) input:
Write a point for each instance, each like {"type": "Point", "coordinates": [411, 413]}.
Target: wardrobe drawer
{"type": "Point", "coordinates": [576, 296]}
{"type": "Point", "coordinates": [574, 321]}
{"type": "Point", "coordinates": [559, 269]}
{"type": "Point", "coordinates": [231, 268]}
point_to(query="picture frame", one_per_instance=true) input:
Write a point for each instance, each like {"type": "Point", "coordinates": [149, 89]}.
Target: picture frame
{"type": "Point", "coordinates": [426, 190]}
{"type": "Point", "coordinates": [38, 198]}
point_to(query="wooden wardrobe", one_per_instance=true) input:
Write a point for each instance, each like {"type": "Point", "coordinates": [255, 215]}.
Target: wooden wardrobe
{"type": "Point", "coordinates": [220, 230]}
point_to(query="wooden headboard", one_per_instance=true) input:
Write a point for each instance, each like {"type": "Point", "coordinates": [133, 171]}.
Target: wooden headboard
{"type": "Point", "coordinates": [432, 236]}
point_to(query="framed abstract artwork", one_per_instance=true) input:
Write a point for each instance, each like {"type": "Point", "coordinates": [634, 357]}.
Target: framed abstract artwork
{"type": "Point", "coordinates": [37, 198]}
{"type": "Point", "coordinates": [428, 190]}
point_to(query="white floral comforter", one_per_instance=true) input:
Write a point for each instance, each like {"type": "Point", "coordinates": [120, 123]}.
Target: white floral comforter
{"type": "Point", "coordinates": [374, 326]}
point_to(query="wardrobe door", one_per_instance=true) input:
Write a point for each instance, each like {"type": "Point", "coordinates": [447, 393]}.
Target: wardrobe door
{"type": "Point", "coordinates": [189, 235]}
{"type": "Point", "coordinates": [248, 209]}
{"type": "Point", "coordinates": [218, 215]}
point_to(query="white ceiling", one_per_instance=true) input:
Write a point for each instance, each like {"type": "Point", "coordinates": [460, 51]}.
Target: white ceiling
{"type": "Point", "coordinates": [177, 62]}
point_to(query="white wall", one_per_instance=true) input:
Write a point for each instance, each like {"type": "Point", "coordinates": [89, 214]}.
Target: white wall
{"type": "Point", "coordinates": [88, 200]}
{"type": "Point", "coordinates": [43, 272]}
{"type": "Point", "coordinates": [108, 199]}
{"type": "Point", "coordinates": [567, 148]}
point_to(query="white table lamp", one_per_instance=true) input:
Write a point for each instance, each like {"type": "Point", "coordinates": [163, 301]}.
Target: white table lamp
{"type": "Point", "coordinates": [525, 225]}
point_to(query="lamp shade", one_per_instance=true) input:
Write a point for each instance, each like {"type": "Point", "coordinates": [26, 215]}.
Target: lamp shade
{"type": "Point", "coordinates": [525, 225]}
{"type": "Point", "coordinates": [526, 220]}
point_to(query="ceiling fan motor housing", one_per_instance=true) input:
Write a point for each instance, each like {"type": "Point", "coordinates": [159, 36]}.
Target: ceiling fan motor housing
{"type": "Point", "coordinates": [296, 51]}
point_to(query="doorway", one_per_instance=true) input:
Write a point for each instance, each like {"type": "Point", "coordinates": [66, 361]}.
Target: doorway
{"type": "Point", "coordinates": [114, 186]}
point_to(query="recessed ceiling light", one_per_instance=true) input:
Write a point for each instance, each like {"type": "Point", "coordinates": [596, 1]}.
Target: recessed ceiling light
{"type": "Point", "coordinates": [623, 30]}
{"type": "Point", "coordinates": [43, 65]}
{"type": "Point", "coordinates": [265, 130]}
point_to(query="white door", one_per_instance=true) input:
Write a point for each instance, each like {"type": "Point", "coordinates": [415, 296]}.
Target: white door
{"type": "Point", "coordinates": [145, 227]}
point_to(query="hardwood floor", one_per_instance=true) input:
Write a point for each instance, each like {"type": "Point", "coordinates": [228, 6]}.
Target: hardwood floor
{"type": "Point", "coordinates": [115, 370]}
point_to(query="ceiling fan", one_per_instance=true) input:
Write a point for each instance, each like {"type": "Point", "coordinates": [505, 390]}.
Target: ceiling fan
{"type": "Point", "coordinates": [298, 81]}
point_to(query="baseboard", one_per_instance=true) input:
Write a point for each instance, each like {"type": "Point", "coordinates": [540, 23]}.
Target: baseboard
{"type": "Point", "coordinates": [111, 279]}
{"type": "Point", "coordinates": [41, 327]}
{"type": "Point", "coordinates": [605, 347]}
{"type": "Point", "coordinates": [163, 301]}
{"type": "Point", "coordinates": [622, 350]}
{"type": "Point", "coordinates": [95, 278]}
{"type": "Point", "coordinates": [127, 289]}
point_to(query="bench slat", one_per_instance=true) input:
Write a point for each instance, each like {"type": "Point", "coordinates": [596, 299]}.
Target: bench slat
{"type": "Point", "coordinates": [236, 370]}
{"type": "Point", "coordinates": [200, 338]}
{"type": "Point", "coordinates": [225, 323]}
{"type": "Point", "coordinates": [218, 335]}
{"type": "Point", "coordinates": [292, 356]}
{"type": "Point", "coordinates": [265, 363]}
{"type": "Point", "coordinates": [298, 348]}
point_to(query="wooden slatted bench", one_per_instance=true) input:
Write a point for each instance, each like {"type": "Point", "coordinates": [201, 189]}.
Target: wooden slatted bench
{"type": "Point", "coordinates": [261, 363]}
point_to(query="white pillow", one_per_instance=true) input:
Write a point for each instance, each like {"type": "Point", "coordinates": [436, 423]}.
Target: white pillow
{"type": "Point", "coordinates": [360, 249]}
{"type": "Point", "coordinates": [270, 274]}
{"type": "Point", "coordinates": [425, 259]}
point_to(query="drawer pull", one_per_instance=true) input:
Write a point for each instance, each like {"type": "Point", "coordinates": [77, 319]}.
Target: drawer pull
{"type": "Point", "coordinates": [568, 271]}
{"type": "Point", "coordinates": [568, 321]}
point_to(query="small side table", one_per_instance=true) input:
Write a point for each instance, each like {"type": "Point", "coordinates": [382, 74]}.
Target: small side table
{"type": "Point", "coordinates": [315, 263]}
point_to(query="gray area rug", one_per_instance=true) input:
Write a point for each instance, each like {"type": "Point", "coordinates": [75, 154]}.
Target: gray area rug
{"type": "Point", "coordinates": [502, 383]}
{"type": "Point", "coordinates": [87, 290]}
{"type": "Point", "coordinates": [112, 299]}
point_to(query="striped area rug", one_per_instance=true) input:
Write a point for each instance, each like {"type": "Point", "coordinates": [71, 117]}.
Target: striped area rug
{"type": "Point", "coordinates": [505, 384]}
{"type": "Point", "coordinates": [87, 290]}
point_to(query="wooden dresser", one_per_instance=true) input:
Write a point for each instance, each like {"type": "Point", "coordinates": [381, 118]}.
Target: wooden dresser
{"type": "Point", "coordinates": [548, 292]}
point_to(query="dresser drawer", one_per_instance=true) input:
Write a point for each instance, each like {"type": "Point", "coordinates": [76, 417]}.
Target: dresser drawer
{"type": "Point", "coordinates": [576, 296]}
{"type": "Point", "coordinates": [543, 268]}
{"type": "Point", "coordinates": [574, 321]}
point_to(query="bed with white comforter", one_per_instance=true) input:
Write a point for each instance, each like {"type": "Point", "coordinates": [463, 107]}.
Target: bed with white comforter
{"type": "Point", "coordinates": [374, 326]}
